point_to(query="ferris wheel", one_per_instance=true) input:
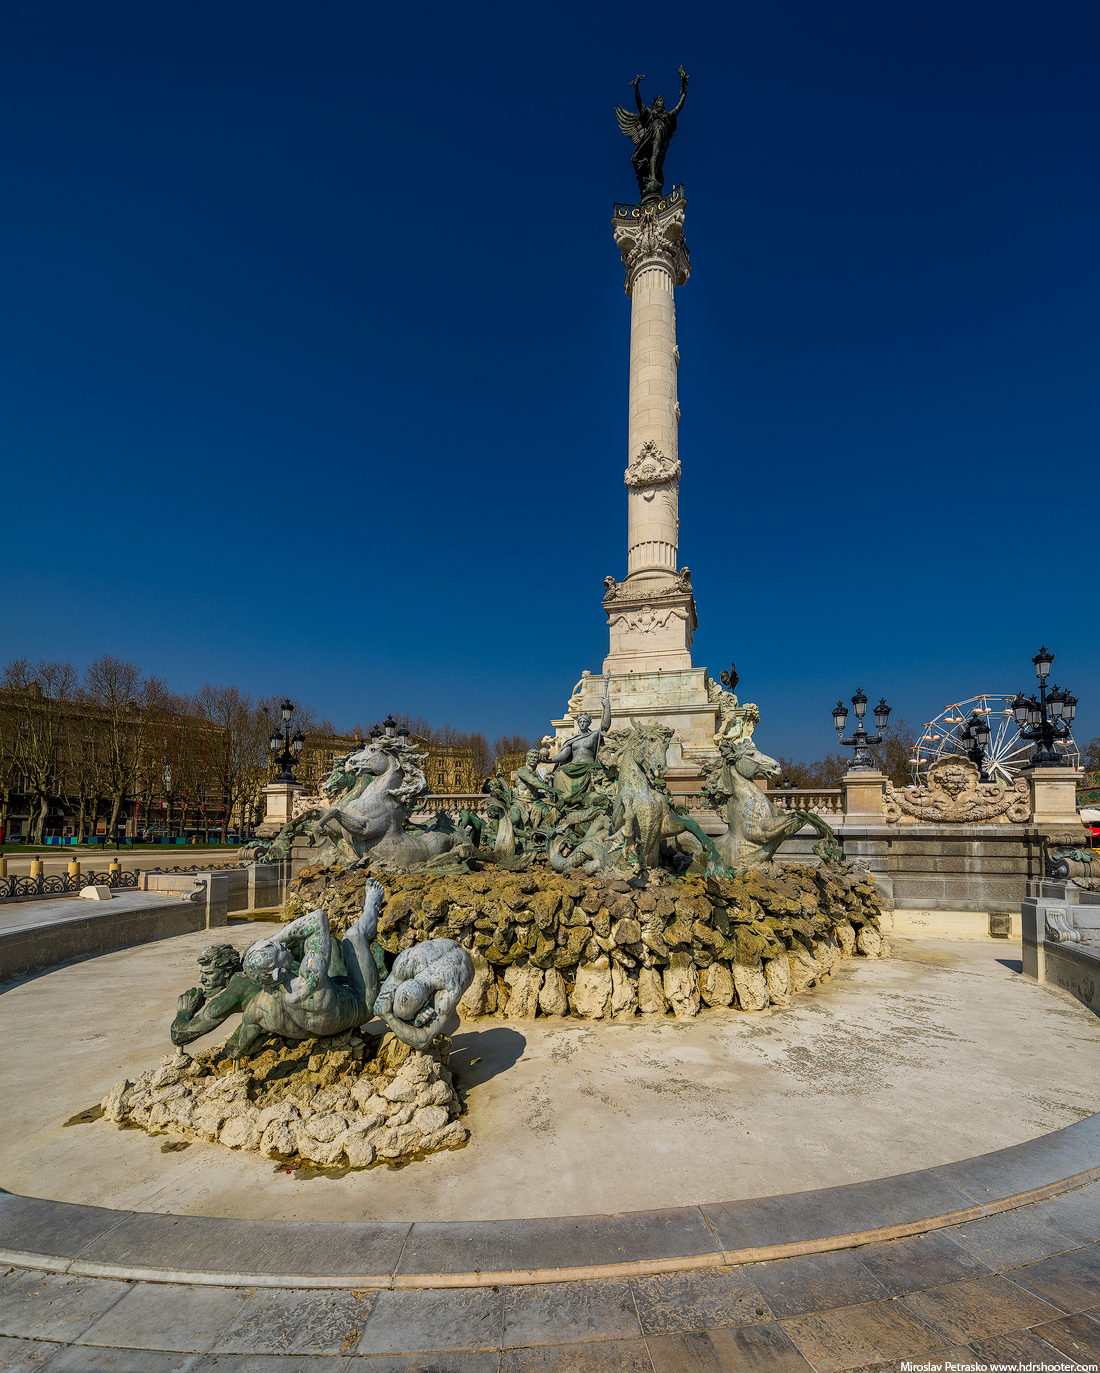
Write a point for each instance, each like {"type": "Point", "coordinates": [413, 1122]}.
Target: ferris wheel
{"type": "Point", "coordinates": [1005, 754]}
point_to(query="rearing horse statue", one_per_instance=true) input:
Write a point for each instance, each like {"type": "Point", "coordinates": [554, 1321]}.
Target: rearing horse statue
{"type": "Point", "coordinates": [757, 826]}
{"type": "Point", "coordinates": [372, 816]}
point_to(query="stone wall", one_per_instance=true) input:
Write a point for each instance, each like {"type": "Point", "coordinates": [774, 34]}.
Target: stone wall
{"type": "Point", "coordinates": [984, 868]}
{"type": "Point", "coordinates": [544, 944]}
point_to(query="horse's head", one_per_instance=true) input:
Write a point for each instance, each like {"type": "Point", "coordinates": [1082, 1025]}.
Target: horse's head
{"type": "Point", "coordinates": [747, 759]}
{"type": "Point", "coordinates": [370, 759]}
{"type": "Point", "coordinates": [647, 745]}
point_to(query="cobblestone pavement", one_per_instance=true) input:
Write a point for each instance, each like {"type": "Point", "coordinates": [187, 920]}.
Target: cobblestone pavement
{"type": "Point", "coordinates": [1019, 1287]}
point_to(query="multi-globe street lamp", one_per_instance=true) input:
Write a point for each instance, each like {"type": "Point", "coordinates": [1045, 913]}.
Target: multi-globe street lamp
{"type": "Point", "coordinates": [1047, 720]}
{"type": "Point", "coordinates": [292, 748]}
{"type": "Point", "coordinates": [391, 731]}
{"type": "Point", "coordinates": [975, 740]}
{"type": "Point", "coordinates": [863, 759]}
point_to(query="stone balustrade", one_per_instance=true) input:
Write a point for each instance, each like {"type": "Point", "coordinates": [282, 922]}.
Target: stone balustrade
{"type": "Point", "coordinates": [826, 801]}
{"type": "Point", "coordinates": [452, 803]}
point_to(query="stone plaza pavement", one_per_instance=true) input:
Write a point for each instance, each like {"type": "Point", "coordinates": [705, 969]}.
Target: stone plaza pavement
{"type": "Point", "coordinates": [1022, 1285]}
{"type": "Point", "coordinates": [858, 1238]}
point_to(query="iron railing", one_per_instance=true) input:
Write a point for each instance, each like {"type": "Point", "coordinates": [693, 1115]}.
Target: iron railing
{"type": "Point", "coordinates": [58, 884]}
{"type": "Point", "coordinates": [63, 884]}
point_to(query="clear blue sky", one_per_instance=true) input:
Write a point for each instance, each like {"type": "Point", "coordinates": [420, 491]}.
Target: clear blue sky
{"type": "Point", "coordinates": [313, 346]}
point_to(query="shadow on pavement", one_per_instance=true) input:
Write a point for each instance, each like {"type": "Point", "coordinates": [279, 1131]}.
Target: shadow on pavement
{"type": "Point", "coordinates": [495, 1049]}
{"type": "Point", "coordinates": [1014, 965]}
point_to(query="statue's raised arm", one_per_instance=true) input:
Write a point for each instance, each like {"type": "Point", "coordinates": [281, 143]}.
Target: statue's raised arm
{"type": "Point", "coordinates": [683, 91]}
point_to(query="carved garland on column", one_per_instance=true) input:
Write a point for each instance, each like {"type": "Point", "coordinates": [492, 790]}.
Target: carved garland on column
{"type": "Point", "coordinates": [651, 467]}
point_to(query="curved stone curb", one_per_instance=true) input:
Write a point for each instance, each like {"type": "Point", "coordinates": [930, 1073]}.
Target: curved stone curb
{"type": "Point", "coordinates": [92, 1241]}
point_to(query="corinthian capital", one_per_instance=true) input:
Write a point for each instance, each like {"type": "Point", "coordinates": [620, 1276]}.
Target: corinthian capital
{"type": "Point", "coordinates": [652, 235]}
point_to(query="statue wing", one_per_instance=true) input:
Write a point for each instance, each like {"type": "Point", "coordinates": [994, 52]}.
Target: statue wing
{"type": "Point", "coordinates": [631, 124]}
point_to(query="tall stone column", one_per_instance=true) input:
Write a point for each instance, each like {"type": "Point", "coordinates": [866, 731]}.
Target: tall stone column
{"type": "Point", "coordinates": [651, 615]}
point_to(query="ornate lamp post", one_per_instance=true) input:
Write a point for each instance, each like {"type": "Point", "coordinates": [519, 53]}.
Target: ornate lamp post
{"type": "Point", "coordinates": [975, 739]}
{"type": "Point", "coordinates": [863, 759]}
{"type": "Point", "coordinates": [292, 748]}
{"type": "Point", "coordinates": [1047, 720]}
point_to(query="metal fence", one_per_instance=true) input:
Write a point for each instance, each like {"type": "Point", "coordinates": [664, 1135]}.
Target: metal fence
{"type": "Point", "coordinates": [58, 884]}
{"type": "Point", "coordinates": [64, 884]}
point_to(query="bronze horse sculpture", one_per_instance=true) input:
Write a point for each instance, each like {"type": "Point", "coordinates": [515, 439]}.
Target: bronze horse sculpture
{"type": "Point", "coordinates": [757, 826]}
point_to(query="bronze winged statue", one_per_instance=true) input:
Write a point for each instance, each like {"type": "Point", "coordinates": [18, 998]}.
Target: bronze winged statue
{"type": "Point", "coordinates": [650, 130]}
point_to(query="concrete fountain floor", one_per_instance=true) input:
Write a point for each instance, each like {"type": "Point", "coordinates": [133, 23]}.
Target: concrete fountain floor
{"type": "Point", "coordinates": [939, 1053]}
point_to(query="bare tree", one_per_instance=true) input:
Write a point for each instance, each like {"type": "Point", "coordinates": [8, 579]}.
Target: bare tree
{"type": "Point", "coordinates": [509, 752]}
{"type": "Point", "coordinates": [825, 773]}
{"type": "Point", "coordinates": [125, 703]}
{"type": "Point", "coordinates": [41, 694]}
{"type": "Point", "coordinates": [238, 735]}
{"type": "Point", "coordinates": [895, 753]}
{"type": "Point", "coordinates": [9, 760]}
{"type": "Point", "coordinates": [84, 754]}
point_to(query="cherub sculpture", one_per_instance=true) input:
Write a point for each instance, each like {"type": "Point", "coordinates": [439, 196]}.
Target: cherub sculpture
{"type": "Point", "coordinates": [650, 130]}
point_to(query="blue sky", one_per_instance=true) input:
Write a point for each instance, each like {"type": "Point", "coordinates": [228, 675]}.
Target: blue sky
{"type": "Point", "coordinates": [313, 347]}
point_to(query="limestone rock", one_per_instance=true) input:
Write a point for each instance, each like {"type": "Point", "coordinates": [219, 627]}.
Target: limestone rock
{"type": "Point", "coordinates": [681, 985]}
{"type": "Point", "coordinates": [553, 999]}
{"type": "Point", "coordinates": [208, 1120]}
{"type": "Point", "coordinates": [524, 985]}
{"type": "Point", "coordinates": [277, 1141]}
{"type": "Point", "coordinates": [592, 990]}
{"type": "Point", "coordinates": [626, 932]}
{"type": "Point", "coordinates": [318, 1151]}
{"type": "Point", "coordinates": [334, 1098]}
{"type": "Point", "coordinates": [869, 941]}
{"type": "Point", "coordinates": [624, 992]}
{"type": "Point", "coordinates": [716, 985]}
{"type": "Point", "coordinates": [367, 1097]}
{"type": "Point", "coordinates": [828, 953]}
{"type": "Point", "coordinates": [282, 1110]}
{"type": "Point", "coordinates": [241, 1132]}
{"type": "Point", "coordinates": [428, 1119]}
{"type": "Point", "coordinates": [451, 1136]}
{"type": "Point", "coordinates": [115, 1102]}
{"type": "Point", "coordinates": [359, 1149]}
{"type": "Point", "coordinates": [846, 937]}
{"type": "Point", "coordinates": [544, 906]}
{"type": "Point", "coordinates": [651, 992]}
{"type": "Point", "coordinates": [777, 974]}
{"type": "Point", "coordinates": [752, 987]}
{"type": "Point", "coordinates": [325, 1128]}
{"type": "Point", "coordinates": [803, 969]}
{"type": "Point", "coordinates": [435, 1094]}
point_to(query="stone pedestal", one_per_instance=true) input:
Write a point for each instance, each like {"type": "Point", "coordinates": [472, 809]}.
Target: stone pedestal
{"type": "Point", "coordinates": [1054, 796]}
{"type": "Point", "coordinates": [676, 699]}
{"type": "Point", "coordinates": [280, 806]}
{"type": "Point", "coordinates": [863, 797]}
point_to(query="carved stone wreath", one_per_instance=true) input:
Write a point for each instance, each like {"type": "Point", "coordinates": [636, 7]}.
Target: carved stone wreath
{"type": "Point", "coordinates": [651, 467]}
{"type": "Point", "coordinates": [954, 796]}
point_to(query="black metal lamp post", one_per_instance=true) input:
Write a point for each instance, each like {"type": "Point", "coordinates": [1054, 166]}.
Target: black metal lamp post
{"type": "Point", "coordinates": [1047, 720]}
{"type": "Point", "coordinates": [292, 748]}
{"type": "Point", "coordinates": [975, 739]}
{"type": "Point", "coordinates": [863, 759]}
{"type": "Point", "coordinates": [403, 736]}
